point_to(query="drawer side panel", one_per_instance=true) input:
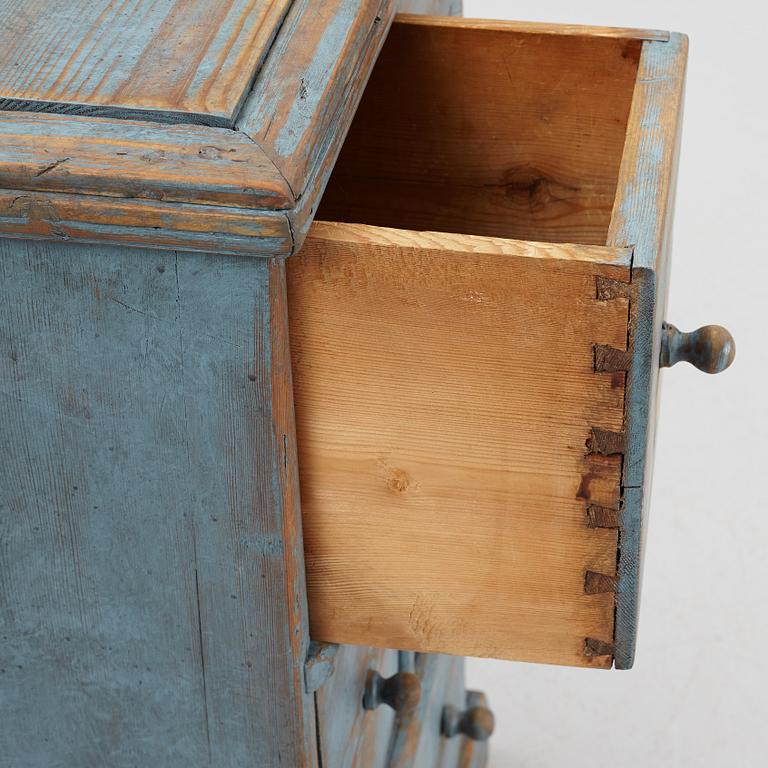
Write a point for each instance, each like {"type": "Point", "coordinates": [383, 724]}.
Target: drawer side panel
{"type": "Point", "coordinates": [452, 438]}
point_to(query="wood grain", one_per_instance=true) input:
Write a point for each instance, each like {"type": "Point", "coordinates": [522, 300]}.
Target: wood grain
{"type": "Point", "coordinates": [151, 597]}
{"type": "Point", "coordinates": [486, 130]}
{"type": "Point", "coordinates": [137, 159]}
{"type": "Point", "coordinates": [530, 27]}
{"type": "Point", "coordinates": [143, 223]}
{"type": "Point", "coordinates": [194, 59]}
{"type": "Point", "coordinates": [642, 217]}
{"type": "Point", "coordinates": [305, 96]}
{"type": "Point", "coordinates": [444, 401]}
{"type": "Point", "coordinates": [301, 105]}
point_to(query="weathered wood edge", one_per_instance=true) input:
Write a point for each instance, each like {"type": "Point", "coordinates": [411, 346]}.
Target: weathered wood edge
{"type": "Point", "coordinates": [320, 665]}
{"type": "Point", "coordinates": [73, 109]}
{"type": "Point", "coordinates": [131, 159]}
{"type": "Point", "coordinates": [534, 27]}
{"type": "Point", "coordinates": [641, 220]}
{"type": "Point", "coordinates": [289, 511]}
{"type": "Point", "coordinates": [144, 223]}
{"type": "Point", "coordinates": [335, 65]}
{"type": "Point", "coordinates": [447, 242]}
{"type": "Point", "coordinates": [304, 100]}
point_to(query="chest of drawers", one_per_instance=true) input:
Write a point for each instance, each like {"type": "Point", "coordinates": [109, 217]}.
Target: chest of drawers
{"type": "Point", "coordinates": [329, 347]}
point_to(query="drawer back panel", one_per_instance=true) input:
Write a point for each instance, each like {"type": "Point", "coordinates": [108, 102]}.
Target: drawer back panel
{"type": "Point", "coordinates": [491, 132]}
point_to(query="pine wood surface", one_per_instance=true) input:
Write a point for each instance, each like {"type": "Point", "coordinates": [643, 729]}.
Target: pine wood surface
{"type": "Point", "coordinates": [530, 27]}
{"type": "Point", "coordinates": [138, 160]}
{"type": "Point", "coordinates": [195, 58]}
{"type": "Point", "coordinates": [488, 130]}
{"type": "Point", "coordinates": [274, 153]}
{"type": "Point", "coordinates": [444, 399]}
{"type": "Point", "coordinates": [148, 223]}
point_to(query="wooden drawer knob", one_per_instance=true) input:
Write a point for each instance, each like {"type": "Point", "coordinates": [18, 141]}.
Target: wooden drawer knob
{"type": "Point", "coordinates": [475, 723]}
{"type": "Point", "coordinates": [710, 348]}
{"type": "Point", "coordinates": [401, 691]}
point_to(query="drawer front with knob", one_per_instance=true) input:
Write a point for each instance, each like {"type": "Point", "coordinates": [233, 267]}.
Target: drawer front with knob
{"type": "Point", "coordinates": [450, 726]}
{"type": "Point", "coordinates": [355, 716]}
{"type": "Point", "coordinates": [477, 326]}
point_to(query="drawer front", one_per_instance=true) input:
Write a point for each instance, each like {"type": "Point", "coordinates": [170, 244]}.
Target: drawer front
{"type": "Point", "coordinates": [351, 736]}
{"type": "Point", "coordinates": [476, 330]}
{"type": "Point", "coordinates": [419, 741]}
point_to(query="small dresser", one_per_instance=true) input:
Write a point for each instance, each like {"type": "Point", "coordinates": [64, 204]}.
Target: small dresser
{"type": "Point", "coordinates": [329, 351]}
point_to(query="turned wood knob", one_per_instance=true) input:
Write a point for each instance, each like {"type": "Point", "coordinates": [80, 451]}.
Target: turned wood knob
{"type": "Point", "coordinates": [475, 723]}
{"type": "Point", "coordinates": [401, 691]}
{"type": "Point", "coordinates": [710, 348]}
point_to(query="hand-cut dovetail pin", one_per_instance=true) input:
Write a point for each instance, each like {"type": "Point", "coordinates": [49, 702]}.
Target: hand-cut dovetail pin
{"type": "Point", "coordinates": [710, 348]}
{"type": "Point", "coordinates": [598, 583]}
{"type": "Point", "coordinates": [611, 360]}
{"type": "Point", "coordinates": [605, 442]}
{"type": "Point", "coordinates": [603, 517]}
{"type": "Point", "coordinates": [594, 648]}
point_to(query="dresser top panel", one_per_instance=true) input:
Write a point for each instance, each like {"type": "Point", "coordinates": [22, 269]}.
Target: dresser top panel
{"type": "Point", "coordinates": [193, 58]}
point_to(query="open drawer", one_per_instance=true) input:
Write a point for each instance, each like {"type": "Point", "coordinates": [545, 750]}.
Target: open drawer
{"type": "Point", "coordinates": [476, 325]}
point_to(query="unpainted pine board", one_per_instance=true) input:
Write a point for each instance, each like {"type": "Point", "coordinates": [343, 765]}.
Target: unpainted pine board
{"type": "Point", "coordinates": [444, 402]}
{"type": "Point", "coordinates": [488, 130]}
{"type": "Point", "coordinates": [642, 219]}
{"type": "Point", "coordinates": [306, 94]}
{"type": "Point", "coordinates": [193, 59]}
{"type": "Point", "coordinates": [143, 223]}
{"type": "Point", "coordinates": [137, 159]}
{"type": "Point", "coordinates": [152, 598]}
{"type": "Point", "coordinates": [349, 735]}
{"type": "Point", "coordinates": [532, 27]}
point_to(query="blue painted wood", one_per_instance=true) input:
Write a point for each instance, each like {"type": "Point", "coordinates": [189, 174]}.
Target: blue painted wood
{"type": "Point", "coordinates": [152, 604]}
{"type": "Point", "coordinates": [434, 7]}
{"type": "Point", "coordinates": [418, 740]}
{"type": "Point", "coordinates": [167, 60]}
{"type": "Point", "coordinates": [643, 220]}
{"type": "Point", "coordinates": [349, 735]}
{"type": "Point", "coordinates": [301, 100]}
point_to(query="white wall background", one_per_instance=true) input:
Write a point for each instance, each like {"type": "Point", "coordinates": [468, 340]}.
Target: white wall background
{"type": "Point", "coordinates": [698, 693]}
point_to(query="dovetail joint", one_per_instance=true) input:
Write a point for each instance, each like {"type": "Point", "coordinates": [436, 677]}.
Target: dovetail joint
{"type": "Point", "coordinates": [603, 517]}
{"type": "Point", "coordinates": [611, 360]}
{"type": "Point", "coordinates": [598, 583]}
{"type": "Point", "coordinates": [594, 648]}
{"type": "Point", "coordinates": [606, 442]}
{"type": "Point", "coordinates": [608, 289]}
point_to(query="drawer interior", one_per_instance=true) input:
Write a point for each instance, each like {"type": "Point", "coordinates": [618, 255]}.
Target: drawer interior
{"type": "Point", "coordinates": [488, 131]}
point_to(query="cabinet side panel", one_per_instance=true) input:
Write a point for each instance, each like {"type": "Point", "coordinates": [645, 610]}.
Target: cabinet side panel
{"type": "Point", "coordinates": [151, 600]}
{"type": "Point", "coordinates": [453, 436]}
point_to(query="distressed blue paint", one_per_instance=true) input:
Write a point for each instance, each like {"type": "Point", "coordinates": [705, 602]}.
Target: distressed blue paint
{"type": "Point", "coordinates": [305, 96]}
{"type": "Point", "coordinates": [320, 665]}
{"type": "Point", "coordinates": [37, 215]}
{"type": "Point", "coordinates": [645, 225]}
{"type": "Point", "coordinates": [103, 58]}
{"type": "Point", "coordinates": [143, 581]}
{"type": "Point", "coordinates": [351, 736]}
{"type": "Point", "coordinates": [316, 78]}
{"type": "Point", "coordinates": [418, 740]}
